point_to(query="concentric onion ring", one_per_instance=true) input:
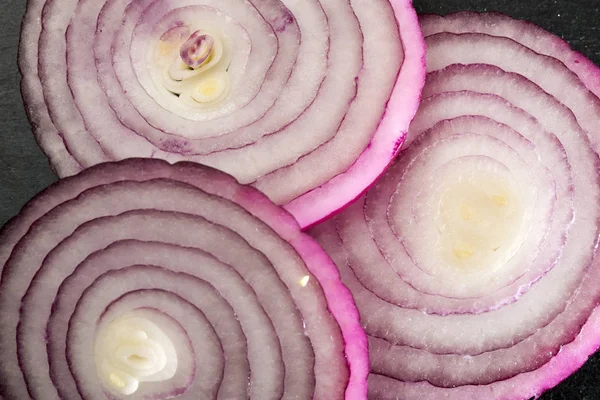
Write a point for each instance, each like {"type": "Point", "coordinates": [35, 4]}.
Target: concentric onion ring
{"type": "Point", "coordinates": [114, 79]}
{"type": "Point", "coordinates": [138, 257]}
{"type": "Point", "coordinates": [473, 260]}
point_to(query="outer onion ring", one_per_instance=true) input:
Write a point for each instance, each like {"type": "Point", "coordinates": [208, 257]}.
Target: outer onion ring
{"type": "Point", "coordinates": [486, 73]}
{"type": "Point", "coordinates": [112, 209]}
{"type": "Point", "coordinates": [98, 103]}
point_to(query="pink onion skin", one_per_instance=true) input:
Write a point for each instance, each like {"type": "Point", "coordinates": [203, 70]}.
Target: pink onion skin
{"type": "Point", "coordinates": [313, 205]}
{"type": "Point", "coordinates": [254, 202]}
{"type": "Point", "coordinates": [388, 140]}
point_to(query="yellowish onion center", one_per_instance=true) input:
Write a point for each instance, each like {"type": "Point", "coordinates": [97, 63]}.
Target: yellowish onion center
{"type": "Point", "coordinates": [478, 221]}
{"type": "Point", "coordinates": [131, 350]}
{"type": "Point", "coordinates": [194, 65]}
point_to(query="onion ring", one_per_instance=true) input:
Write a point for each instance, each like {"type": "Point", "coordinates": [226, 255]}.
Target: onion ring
{"type": "Point", "coordinates": [177, 268]}
{"type": "Point", "coordinates": [473, 259]}
{"type": "Point", "coordinates": [318, 79]}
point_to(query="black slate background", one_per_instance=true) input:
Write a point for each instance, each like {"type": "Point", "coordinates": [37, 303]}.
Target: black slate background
{"type": "Point", "coordinates": [24, 170]}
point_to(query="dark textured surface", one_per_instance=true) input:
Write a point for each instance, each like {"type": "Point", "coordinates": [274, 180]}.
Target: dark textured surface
{"type": "Point", "coordinates": [24, 170]}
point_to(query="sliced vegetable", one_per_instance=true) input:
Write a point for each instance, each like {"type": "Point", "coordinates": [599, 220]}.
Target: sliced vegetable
{"type": "Point", "coordinates": [151, 280]}
{"type": "Point", "coordinates": [308, 101]}
{"type": "Point", "coordinates": [473, 260]}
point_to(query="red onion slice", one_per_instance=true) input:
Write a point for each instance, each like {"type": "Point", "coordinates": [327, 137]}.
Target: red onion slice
{"type": "Point", "coordinates": [146, 240]}
{"type": "Point", "coordinates": [495, 87]}
{"type": "Point", "coordinates": [314, 78]}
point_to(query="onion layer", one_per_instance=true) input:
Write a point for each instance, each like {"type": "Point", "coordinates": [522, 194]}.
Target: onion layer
{"type": "Point", "coordinates": [158, 281]}
{"type": "Point", "coordinates": [473, 260]}
{"type": "Point", "coordinates": [228, 84]}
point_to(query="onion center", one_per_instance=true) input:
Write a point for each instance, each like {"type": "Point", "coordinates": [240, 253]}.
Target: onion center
{"type": "Point", "coordinates": [130, 350]}
{"type": "Point", "coordinates": [194, 67]}
{"type": "Point", "coordinates": [478, 217]}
